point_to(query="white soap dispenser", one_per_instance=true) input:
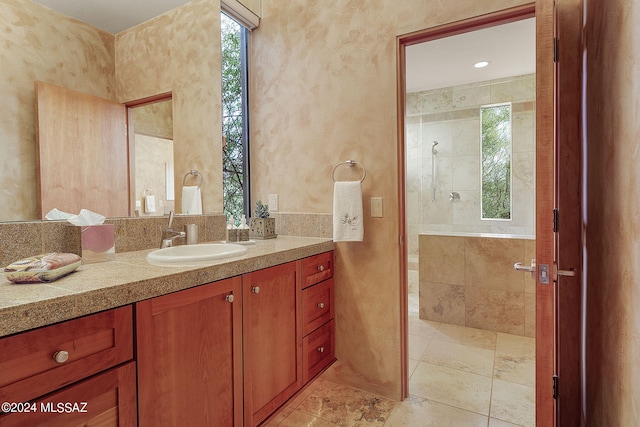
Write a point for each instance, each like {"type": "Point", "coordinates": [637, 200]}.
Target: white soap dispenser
{"type": "Point", "coordinates": [232, 233]}
{"type": "Point", "coordinates": [243, 231]}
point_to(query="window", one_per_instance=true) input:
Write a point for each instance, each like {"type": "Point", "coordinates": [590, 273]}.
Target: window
{"type": "Point", "coordinates": [496, 161]}
{"type": "Point", "coordinates": [235, 124]}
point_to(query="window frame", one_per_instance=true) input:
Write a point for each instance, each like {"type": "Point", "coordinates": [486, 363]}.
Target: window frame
{"type": "Point", "coordinates": [244, 77]}
{"type": "Point", "coordinates": [482, 108]}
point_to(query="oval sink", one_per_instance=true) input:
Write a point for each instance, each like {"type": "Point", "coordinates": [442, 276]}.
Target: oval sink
{"type": "Point", "coordinates": [195, 253]}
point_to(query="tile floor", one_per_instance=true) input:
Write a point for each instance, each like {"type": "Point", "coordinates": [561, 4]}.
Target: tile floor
{"type": "Point", "coordinates": [458, 377]}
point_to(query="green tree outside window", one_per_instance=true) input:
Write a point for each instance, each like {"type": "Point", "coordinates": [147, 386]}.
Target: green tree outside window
{"type": "Point", "coordinates": [233, 153]}
{"type": "Point", "coordinates": [496, 161]}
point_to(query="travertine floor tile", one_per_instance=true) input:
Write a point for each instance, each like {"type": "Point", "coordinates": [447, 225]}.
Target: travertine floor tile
{"type": "Point", "coordinates": [465, 376]}
{"type": "Point", "coordinates": [416, 411]}
{"type": "Point", "coordinates": [347, 406]}
{"type": "Point", "coordinates": [515, 369]}
{"type": "Point", "coordinates": [413, 364]}
{"type": "Point", "coordinates": [515, 359]}
{"type": "Point", "coordinates": [452, 387]}
{"type": "Point", "coordinates": [319, 383]}
{"type": "Point", "coordinates": [467, 336]}
{"type": "Point", "coordinates": [516, 345]}
{"type": "Point", "coordinates": [514, 403]}
{"type": "Point", "coordinates": [278, 419]}
{"type": "Point", "coordinates": [458, 356]}
{"type": "Point", "coordinates": [301, 419]}
{"type": "Point", "coordinates": [417, 346]}
{"type": "Point", "coordinates": [493, 422]}
{"type": "Point", "coordinates": [423, 328]}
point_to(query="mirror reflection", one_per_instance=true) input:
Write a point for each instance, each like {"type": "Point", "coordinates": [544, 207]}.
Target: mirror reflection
{"type": "Point", "coordinates": [42, 45]}
{"type": "Point", "coordinates": [153, 184]}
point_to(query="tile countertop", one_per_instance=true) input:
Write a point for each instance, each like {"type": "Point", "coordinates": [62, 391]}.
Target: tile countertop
{"type": "Point", "coordinates": [130, 278]}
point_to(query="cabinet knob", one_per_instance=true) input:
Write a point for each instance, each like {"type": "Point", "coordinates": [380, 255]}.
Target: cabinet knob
{"type": "Point", "coordinates": [320, 305]}
{"type": "Point", "coordinates": [230, 298]}
{"type": "Point", "coordinates": [321, 267]}
{"type": "Point", "coordinates": [320, 349]}
{"type": "Point", "coordinates": [255, 289]}
{"type": "Point", "coordinates": [61, 356]}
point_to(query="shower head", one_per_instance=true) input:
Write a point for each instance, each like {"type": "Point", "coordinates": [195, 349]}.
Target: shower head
{"type": "Point", "coordinates": [433, 147]}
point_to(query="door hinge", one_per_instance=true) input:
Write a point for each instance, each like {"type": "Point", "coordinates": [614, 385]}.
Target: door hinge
{"type": "Point", "coordinates": [556, 219]}
{"type": "Point", "coordinates": [556, 49]}
{"type": "Point", "coordinates": [555, 387]}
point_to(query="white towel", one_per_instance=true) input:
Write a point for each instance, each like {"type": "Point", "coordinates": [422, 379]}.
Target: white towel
{"type": "Point", "coordinates": [191, 200]}
{"type": "Point", "coordinates": [347, 212]}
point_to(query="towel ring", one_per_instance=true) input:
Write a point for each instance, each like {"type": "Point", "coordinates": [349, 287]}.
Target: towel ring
{"type": "Point", "coordinates": [194, 173]}
{"type": "Point", "coordinates": [350, 163]}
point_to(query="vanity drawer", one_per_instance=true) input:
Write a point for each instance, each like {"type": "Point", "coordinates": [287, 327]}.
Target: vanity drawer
{"type": "Point", "coordinates": [93, 343]}
{"type": "Point", "coordinates": [317, 268]}
{"type": "Point", "coordinates": [317, 305]}
{"type": "Point", "coordinates": [106, 399]}
{"type": "Point", "coordinates": [317, 351]}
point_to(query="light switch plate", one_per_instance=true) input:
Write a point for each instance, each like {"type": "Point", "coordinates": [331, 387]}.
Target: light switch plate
{"type": "Point", "coordinates": [376, 207]}
{"type": "Point", "coordinates": [273, 202]}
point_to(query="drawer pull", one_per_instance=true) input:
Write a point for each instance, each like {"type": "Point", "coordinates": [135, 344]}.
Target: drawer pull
{"type": "Point", "coordinates": [320, 349]}
{"type": "Point", "coordinates": [61, 356]}
{"type": "Point", "coordinates": [255, 289]}
{"type": "Point", "coordinates": [229, 298]}
{"type": "Point", "coordinates": [320, 305]}
{"type": "Point", "coordinates": [321, 267]}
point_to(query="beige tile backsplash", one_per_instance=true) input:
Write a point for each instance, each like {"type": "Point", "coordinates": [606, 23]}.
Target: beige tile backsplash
{"type": "Point", "coordinates": [23, 239]}
{"type": "Point", "coordinates": [470, 281]}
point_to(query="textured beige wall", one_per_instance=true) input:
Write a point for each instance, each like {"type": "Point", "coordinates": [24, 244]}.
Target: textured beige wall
{"type": "Point", "coordinates": [323, 90]}
{"type": "Point", "coordinates": [254, 6]}
{"type": "Point", "coordinates": [40, 44]}
{"type": "Point", "coordinates": [613, 221]}
{"type": "Point", "coordinates": [179, 51]}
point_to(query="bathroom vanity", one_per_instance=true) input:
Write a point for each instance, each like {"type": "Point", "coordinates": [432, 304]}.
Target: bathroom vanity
{"type": "Point", "coordinates": [226, 343]}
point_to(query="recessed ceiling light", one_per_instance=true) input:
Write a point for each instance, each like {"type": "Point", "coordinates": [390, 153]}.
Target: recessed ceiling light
{"type": "Point", "coordinates": [481, 64]}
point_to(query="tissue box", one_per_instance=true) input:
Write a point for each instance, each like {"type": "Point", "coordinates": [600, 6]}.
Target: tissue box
{"type": "Point", "coordinates": [95, 243]}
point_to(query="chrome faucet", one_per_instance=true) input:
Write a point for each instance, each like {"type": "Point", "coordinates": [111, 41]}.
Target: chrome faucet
{"type": "Point", "coordinates": [169, 234]}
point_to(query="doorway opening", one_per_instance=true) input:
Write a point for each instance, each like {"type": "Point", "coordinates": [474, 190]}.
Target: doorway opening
{"type": "Point", "coordinates": [468, 313]}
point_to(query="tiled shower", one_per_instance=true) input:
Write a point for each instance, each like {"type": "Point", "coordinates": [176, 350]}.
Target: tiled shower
{"type": "Point", "coordinates": [460, 265]}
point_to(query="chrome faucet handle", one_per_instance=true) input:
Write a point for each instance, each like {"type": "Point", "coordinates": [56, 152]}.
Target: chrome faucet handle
{"type": "Point", "coordinates": [171, 236]}
{"type": "Point", "coordinates": [171, 214]}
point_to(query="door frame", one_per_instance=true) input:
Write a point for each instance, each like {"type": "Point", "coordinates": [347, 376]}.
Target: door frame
{"type": "Point", "coordinates": [542, 10]}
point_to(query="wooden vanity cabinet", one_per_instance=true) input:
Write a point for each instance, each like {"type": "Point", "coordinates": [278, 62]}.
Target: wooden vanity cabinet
{"type": "Point", "coordinates": [272, 322]}
{"type": "Point", "coordinates": [106, 399]}
{"type": "Point", "coordinates": [58, 364]}
{"type": "Point", "coordinates": [189, 353]}
{"type": "Point", "coordinates": [318, 314]}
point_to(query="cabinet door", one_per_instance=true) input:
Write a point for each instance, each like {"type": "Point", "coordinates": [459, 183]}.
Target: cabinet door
{"type": "Point", "coordinates": [272, 339]}
{"type": "Point", "coordinates": [106, 399]}
{"type": "Point", "coordinates": [190, 357]}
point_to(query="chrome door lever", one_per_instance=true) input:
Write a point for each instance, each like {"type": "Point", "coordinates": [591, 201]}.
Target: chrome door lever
{"type": "Point", "coordinates": [530, 269]}
{"type": "Point", "coordinates": [566, 273]}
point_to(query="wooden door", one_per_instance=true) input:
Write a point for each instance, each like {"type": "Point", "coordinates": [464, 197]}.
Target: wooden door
{"type": "Point", "coordinates": [272, 339]}
{"type": "Point", "coordinates": [558, 160]}
{"type": "Point", "coordinates": [190, 357]}
{"type": "Point", "coordinates": [82, 158]}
